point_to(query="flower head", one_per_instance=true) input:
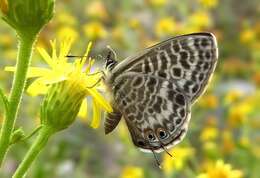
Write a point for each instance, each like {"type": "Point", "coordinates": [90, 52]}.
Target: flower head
{"type": "Point", "coordinates": [165, 26]}
{"type": "Point", "coordinates": [220, 170]}
{"type": "Point", "coordinates": [27, 17]}
{"type": "Point", "coordinates": [67, 83]}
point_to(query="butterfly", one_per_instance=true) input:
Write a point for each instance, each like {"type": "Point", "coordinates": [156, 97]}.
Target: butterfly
{"type": "Point", "coordinates": [154, 90]}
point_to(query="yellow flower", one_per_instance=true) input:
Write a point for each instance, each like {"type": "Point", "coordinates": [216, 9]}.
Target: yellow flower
{"type": "Point", "coordinates": [238, 114]}
{"type": "Point", "coordinates": [244, 141]}
{"type": "Point", "coordinates": [208, 133]}
{"type": "Point", "coordinates": [209, 101]}
{"type": "Point", "coordinates": [134, 23]}
{"type": "Point", "coordinates": [199, 20]}
{"type": "Point", "coordinates": [65, 31]}
{"type": "Point", "coordinates": [177, 162]}
{"type": "Point", "coordinates": [247, 35]}
{"type": "Point", "coordinates": [227, 142]}
{"type": "Point", "coordinates": [62, 70]}
{"type": "Point", "coordinates": [221, 170]}
{"type": "Point", "coordinates": [157, 3]}
{"type": "Point", "coordinates": [94, 30]}
{"type": "Point", "coordinates": [64, 18]}
{"type": "Point", "coordinates": [132, 172]}
{"type": "Point", "coordinates": [209, 3]}
{"type": "Point", "coordinates": [97, 9]}
{"type": "Point", "coordinates": [4, 6]}
{"type": "Point", "coordinates": [233, 96]}
{"type": "Point", "coordinates": [165, 26]}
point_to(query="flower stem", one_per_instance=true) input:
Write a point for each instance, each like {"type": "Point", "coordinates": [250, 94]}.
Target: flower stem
{"type": "Point", "coordinates": [34, 150]}
{"type": "Point", "coordinates": [25, 48]}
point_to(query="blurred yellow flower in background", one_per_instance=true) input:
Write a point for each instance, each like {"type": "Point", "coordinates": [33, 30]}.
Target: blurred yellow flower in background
{"type": "Point", "coordinates": [64, 18]}
{"type": "Point", "coordinates": [209, 3]}
{"type": "Point", "coordinates": [6, 40]}
{"type": "Point", "coordinates": [96, 9]}
{"type": "Point", "coordinates": [132, 172]}
{"type": "Point", "coordinates": [221, 170]}
{"type": "Point", "coordinates": [94, 30]}
{"type": "Point", "coordinates": [165, 26]}
{"type": "Point", "coordinates": [65, 30]}
{"type": "Point", "coordinates": [199, 20]}
{"type": "Point", "coordinates": [4, 6]}
{"type": "Point", "coordinates": [209, 101]}
{"type": "Point", "coordinates": [209, 133]}
{"type": "Point", "coordinates": [238, 114]}
{"type": "Point", "coordinates": [157, 3]}
{"type": "Point", "coordinates": [134, 23]}
{"type": "Point", "coordinates": [177, 162]}
{"type": "Point", "coordinates": [228, 142]}
{"type": "Point", "coordinates": [233, 96]}
{"type": "Point", "coordinates": [244, 142]}
{"type": "Point", "coordinates": [62, 70]}
{"type": "Point", "coordinates": [247, 35]}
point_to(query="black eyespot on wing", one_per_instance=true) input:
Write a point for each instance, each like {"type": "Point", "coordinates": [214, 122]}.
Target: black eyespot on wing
{"type": "Point", "coordinates": [140, 143]}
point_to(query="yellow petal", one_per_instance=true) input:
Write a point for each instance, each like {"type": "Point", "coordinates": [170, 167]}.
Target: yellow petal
{"type": "Point", "coordinates": [53, 77]}
{"type": "Point", "coordinates": [96, 115]}
{"type": "Point", "coordinates": [46, 57]}
{"type": "Point", "coordinates": [65, 47]}
{"type": "Point", "coordinates": [32, 72]}
{"type": "Point", "coordinates": [83, 110]}
{"type": "Point", "coordinates": [100, 99]}
{"type": "Point", "coordinates": [83, 61]}
{"type": "Point", "coordinates": [37, 88]}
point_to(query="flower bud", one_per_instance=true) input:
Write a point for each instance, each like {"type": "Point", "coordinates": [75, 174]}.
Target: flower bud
{"type": "Point", "coordinates": [27, 16]}
{"type": "Point", "coordinates": [61, 104]}
{"type": "Point", "coordinates": [17, 135]}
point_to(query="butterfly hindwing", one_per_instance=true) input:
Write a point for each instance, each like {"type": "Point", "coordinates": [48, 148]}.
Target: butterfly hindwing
{"type": "Point", "coordinates": [152, 106]}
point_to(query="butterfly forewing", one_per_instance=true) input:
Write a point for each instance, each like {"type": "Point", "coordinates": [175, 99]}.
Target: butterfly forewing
{"type": "Point", "coordinates": [155, 89]}
{"type": "Point", "coordinates": [188, 60]}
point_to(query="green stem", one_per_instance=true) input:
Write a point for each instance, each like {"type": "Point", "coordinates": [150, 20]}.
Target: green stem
{"type": "Point", "coordinates": [34, 150]}
{"type": "Point", "coordinates": [25, 49]}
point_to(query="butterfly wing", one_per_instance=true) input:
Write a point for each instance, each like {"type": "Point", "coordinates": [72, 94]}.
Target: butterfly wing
{"type": "Point", "coordinates": [155, 89]}
{"type": "Point", "coordinates": [188, 60]}
{"type": "Point", "coordinates": [155, 109]}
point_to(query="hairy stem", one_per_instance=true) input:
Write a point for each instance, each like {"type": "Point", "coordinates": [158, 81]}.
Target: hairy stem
{"type": "Point", "coordinates": [34, 150]}
{"type": "Point", "coordinates": [25, 49]}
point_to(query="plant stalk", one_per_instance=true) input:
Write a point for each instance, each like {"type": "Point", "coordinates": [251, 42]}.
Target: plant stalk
{"type": "Point", "coordinates": [34, 150]}
{"type": "Point", "coordinates": [25, 48]}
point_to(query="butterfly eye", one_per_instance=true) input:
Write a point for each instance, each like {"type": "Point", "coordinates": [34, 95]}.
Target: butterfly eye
{"type": "Point", "coordinates": [162, 133]}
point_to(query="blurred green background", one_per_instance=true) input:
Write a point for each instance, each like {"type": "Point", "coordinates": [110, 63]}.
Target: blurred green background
{"type": "Point", "coordinates": [223, 138]}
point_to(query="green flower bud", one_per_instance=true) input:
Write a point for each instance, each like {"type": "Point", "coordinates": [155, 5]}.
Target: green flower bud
{"type": "Point", "coordinates": [62, 103]}
{"type": "Point", "coordinates": [17, 135]}
{"type": "Point", "coordinates": [27, 17]}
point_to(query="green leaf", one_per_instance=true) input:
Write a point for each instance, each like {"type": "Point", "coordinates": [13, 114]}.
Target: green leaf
{"type": "Point", "coordinates": [4, 100]}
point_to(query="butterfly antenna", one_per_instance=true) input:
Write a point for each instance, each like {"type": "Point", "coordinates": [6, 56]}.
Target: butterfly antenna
{"type": "Point", "coordinates": [166, 151]}
{"type": "Point", "coordinates": [156, 159]}
{"type": "Point", "coordinates": [113, 51]}
{"type": "Point", "coordinates": [75, 56]}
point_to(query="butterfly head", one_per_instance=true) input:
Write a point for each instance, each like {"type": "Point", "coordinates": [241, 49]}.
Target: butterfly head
{"type": "Point", "coordinates": [110, 59]}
